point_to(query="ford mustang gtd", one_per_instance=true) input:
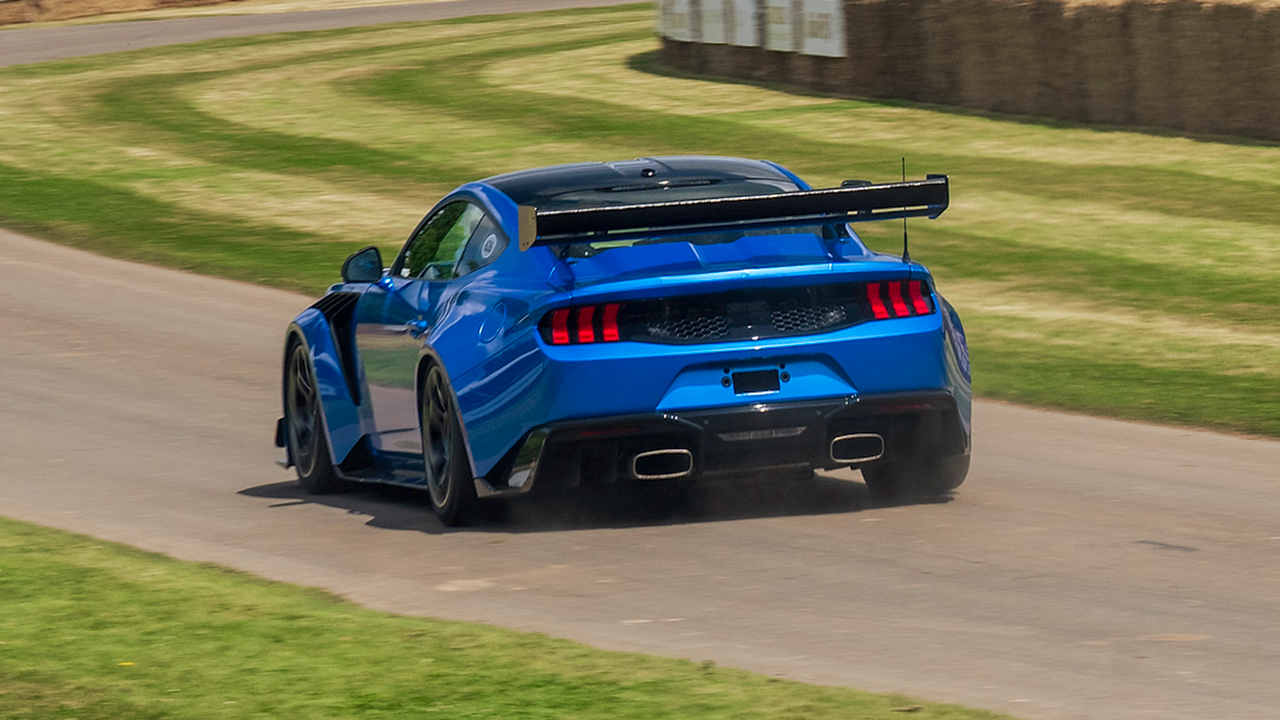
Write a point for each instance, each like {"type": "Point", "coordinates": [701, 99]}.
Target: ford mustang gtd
{"type": "Point", "coordinates": [661, 320]}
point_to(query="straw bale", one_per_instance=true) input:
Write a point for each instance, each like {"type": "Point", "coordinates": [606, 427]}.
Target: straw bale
{"type": "Point", "coordinates": [20, 11]}
{"type": "Point", "coordinates": [868, 58]}
{"type": "Point", "coordinates": [12, 12]}
{"type": "Point", "coordinates": [1201, 66]}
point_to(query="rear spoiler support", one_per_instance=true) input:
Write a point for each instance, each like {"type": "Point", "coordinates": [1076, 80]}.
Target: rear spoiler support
{"type": "Point", "coordinates": [888, 201]}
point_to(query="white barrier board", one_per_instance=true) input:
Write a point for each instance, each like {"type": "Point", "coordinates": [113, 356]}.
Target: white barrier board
{"type": "Point", "coordinates": [674, 20]}
{"type": "Point", "coordinates": [713, 25]}
{"type": "Point", "coordinates": [741, 21]}
{"type": "Point", "coordinates": [823, 28]}
{"type": "Point", "coordinates": [779, 30]}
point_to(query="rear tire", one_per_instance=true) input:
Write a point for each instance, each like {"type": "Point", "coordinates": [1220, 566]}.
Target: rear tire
{"type": "Point", "coordinates": [444, 454]}
{"type": "Point", "coordinates": [304, 420]}
{"type": "Point", "coordinates": [924, 477]}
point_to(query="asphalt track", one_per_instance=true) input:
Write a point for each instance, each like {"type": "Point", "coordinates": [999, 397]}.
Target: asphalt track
{"type": "Point", "coordinates": [1088, 569]}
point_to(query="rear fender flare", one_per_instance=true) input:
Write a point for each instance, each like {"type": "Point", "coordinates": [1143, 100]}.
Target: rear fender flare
{"type": "Point", "coordinates": [956, 345]}
{"type": "Point", "coordinates": [426, 359]}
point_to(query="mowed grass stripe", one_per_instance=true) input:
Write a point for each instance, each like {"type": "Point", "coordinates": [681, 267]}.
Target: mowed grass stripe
{"type": "Point", "coordinates": [1091, 273]}
{"type": "Point", "coordinates": [94, 630]}
{"type": "Point", "coordinates": [357, 128]}
{"type": "Point", "coordinates": [109, 220]}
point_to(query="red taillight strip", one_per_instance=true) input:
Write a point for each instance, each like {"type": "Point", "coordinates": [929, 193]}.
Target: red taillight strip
{"type": "Point", "coordinates": [583, 324]}
{"type": "Point", "coordinates": [900, 291]}
{"type": "Point", "coordinates": [895, 296]}
{"type": "Point", "coordinates": [586, 332]}
{"type": "Point", "coordinates": [877, 305]}
{"type": "Point", "coordinates": [917, 299]}
{"type": "Point", "coordinates": [560, 327]}
{"type": "Point", "coordinates": [611, 322]}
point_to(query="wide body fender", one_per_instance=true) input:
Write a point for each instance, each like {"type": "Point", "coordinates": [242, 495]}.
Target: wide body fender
{"type": "Point", "coordinates": [957, 359]}
{"type": "Point", "coordinates": [342, 416]}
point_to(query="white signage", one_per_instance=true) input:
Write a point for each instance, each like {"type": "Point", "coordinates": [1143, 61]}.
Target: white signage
{"type": "Point", "coordinates": [779, 33]}
{"type": "Point", "coordinates": [812, 27]}
{"type": "Point", "coordinates": [713, 27]}
{"type": "Point", "coordinates": [741, 22]}
{"type": "Point", "coordinates": [822, 28]}
{"type": "Point", "coordinates": [674, 19]}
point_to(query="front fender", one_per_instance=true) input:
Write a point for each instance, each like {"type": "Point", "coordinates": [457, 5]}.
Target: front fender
{"type": "Point", "coordinates": [341, 415]}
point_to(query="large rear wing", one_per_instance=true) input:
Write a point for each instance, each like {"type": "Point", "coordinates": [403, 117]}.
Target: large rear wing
{"type": "Point", "coordinates": [857, 203]}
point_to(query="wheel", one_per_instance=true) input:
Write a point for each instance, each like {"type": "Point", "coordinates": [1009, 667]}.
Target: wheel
{"type": "Point", "coordinates": [928, 477]}
{"type": "Point", "coordinates": [308, 446]}
{"type": "Point", "coordinates": [444, 454]}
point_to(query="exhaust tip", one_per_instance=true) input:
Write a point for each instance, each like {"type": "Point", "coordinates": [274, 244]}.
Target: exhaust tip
{"type": "Point", "coordinates": [857, 448]}
{"type": "Point", "coordinates": [666, 464]}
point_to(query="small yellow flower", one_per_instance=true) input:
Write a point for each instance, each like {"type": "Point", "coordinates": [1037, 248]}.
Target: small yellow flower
{"type": "Point", "coordinates": [125, 664]}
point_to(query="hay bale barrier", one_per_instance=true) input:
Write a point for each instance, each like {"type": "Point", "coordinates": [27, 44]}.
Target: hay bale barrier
{"type": "Point", "coordinates": [13, 12]}
{"type": "Point", "coordinates": [1195, 66]}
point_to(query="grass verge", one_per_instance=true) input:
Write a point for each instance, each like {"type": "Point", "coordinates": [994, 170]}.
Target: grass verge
{"type": "Point", "coordinates": [90, 629]}
{"type": "Point", "coordinates": [1111, 272]}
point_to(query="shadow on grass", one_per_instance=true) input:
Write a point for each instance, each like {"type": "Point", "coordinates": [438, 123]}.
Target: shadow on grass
{"type": "Point", "coordinates": [397, 508]}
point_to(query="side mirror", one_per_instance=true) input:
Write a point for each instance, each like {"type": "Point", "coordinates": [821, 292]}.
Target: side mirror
{"type": "Point", "coordinates": [364, 266]}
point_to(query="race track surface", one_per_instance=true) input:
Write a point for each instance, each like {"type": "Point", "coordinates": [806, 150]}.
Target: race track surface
{"type": "Point", "coordinates": [1088, 569]}
{"type": "Point", "coordinates": [20, 46]}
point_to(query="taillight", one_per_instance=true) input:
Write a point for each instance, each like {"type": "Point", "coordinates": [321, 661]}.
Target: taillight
{"type": "Point", "coordinates": [899, 299]}
{"type": "Point", "coordinates": [918, 301]}
{"type": "Point", "coordinates": [582, 325]}
{"type": "Point", "coordinates": [560, 326]}
{"type": "Point", "coordinates": [610, 322]}
{"type": "Point", "coordinates": [586, 333]}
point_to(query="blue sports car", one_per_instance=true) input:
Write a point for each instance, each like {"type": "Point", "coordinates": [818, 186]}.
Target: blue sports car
{"type": "Point", "coordinates": [661, 320]}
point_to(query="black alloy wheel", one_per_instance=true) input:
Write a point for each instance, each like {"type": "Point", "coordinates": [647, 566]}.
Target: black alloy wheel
{"type": "Point", "coordinates": [308, 446]}
{"type": "Point", "coordinates": [444, 454]}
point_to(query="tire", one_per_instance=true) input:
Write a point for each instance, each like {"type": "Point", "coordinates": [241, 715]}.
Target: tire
{"type": "Point", "coordinates": [928, 477]}
{"type": "Point", "coordinates": [304, 423]}
{"type": "Point", "coordinates": [444, 454]}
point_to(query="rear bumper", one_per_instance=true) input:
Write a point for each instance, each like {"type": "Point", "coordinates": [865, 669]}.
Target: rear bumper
{"type": "Point", "coordinates": [689, 445]}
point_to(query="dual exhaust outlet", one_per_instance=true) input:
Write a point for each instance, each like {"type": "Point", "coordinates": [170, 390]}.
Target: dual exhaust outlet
{"type": "Point", "coordinates": [676, 463]}
{"type": "Point", "coordinates": [666, 464]}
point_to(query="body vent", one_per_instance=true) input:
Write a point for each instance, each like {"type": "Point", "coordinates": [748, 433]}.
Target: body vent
{"type": "Point", "coordinates": [698, 328]}
{"type": "Point", "coordinates": [339, 308]}
{"type": "Point", "coordinates": [809, 319]}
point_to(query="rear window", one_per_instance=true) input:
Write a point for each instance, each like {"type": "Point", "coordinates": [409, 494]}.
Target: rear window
{"type": "Point", "coordinates": [665, 191]}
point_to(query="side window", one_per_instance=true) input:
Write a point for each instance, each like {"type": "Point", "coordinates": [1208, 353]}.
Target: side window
{"type": "Point", "coordinates": [486, 244]}
{"type": "Point", "coordinates": [432, 252]}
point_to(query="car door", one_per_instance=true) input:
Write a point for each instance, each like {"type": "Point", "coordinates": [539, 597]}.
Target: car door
{"type": "Point", "coordinates": [395, 318]}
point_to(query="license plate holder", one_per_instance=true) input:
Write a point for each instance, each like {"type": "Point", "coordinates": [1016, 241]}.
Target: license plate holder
{"type": "Point", "coordinates": [756, 381]}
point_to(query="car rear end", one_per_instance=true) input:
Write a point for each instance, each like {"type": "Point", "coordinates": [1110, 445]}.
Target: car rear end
{"type": "Point", "coordinates": [722, 336]}
{"type": "Point", "coordinates": [790, 368]}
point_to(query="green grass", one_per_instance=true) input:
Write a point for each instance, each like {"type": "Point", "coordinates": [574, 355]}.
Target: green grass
{"type": "Point", "coordinates": [1112, 272]}
{"type": "Point", "coordinates": [90, 629]}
